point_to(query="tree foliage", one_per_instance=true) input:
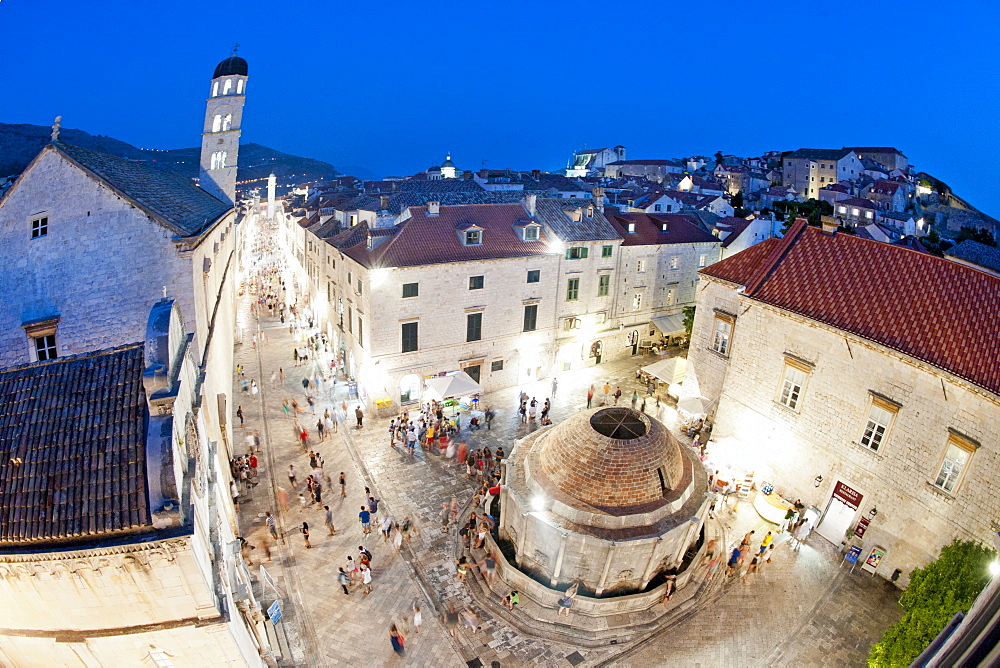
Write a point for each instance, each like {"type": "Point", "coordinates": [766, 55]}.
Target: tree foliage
{"type": "Point", "coordinates": [976, 234]}
{"type": "Point", "coordinates": [812, 210]}
{"type": "Point", "coordinates": [944, 587]}
{"type": "Point", "coordinates": [688, 320]}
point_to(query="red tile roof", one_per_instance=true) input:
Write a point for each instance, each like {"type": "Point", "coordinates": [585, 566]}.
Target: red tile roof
{"type": "Point", "coordinates": [649, 230]}
{"type": "Point", "coordinates": [934, 310]}
{"type": "Point", "coordinates": [423, 239]}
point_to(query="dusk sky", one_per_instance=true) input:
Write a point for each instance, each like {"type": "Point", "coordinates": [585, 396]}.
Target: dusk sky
{"type": "Point", "coordinates": [393, 86]}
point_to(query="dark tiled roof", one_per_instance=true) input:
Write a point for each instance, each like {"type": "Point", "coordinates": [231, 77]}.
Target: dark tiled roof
{"type": "Point", "coordinates": [548, 181]}
{"type": "Point", "coordinates": [873, 149]}
{"type": "Point", "coordinates": [911, 242]}
{"type": "Point", "coordinates": [437, 186]}
{"type": "Point", "coordinates": [977, 253]}
{"type": "Point", "coordinates": [423, 239]}
{"type": "Point", "coordinates": [651, 163]}
{"type": "Point", "coordinates": [399, 201]}
{"type": "Point", "coordinates": [820, 153]}
{"type": "Point", "coordinates": [857, 201]}
{"type": "Point", "coordinates": [649, 229]}
{"type": "Point", "coordinates": [555, 214]}
{"type": "Point", "coordinates": [171, 199]}
{"type": "Point", "coordinates": [737, 225]}
{"type": "Point", "coordinates": [78, 428]}
{"type": "Point", "coordinates": [879, 292]}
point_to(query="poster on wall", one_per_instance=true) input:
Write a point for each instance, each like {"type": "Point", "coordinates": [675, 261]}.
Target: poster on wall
{"type": "Point", "coordinates": [874, 559]}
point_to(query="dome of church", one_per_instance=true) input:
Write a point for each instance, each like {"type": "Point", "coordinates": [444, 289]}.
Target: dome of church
{"type": "Point", "coordinates": [612, 458]}
{"type": "Point", "coordinates": [447, 162]}
{"type": "Point", "coordinates": [232, 66]}
{"type": "Point", "coordinates": [433, 168]}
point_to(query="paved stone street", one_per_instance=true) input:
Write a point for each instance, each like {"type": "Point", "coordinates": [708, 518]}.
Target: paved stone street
{"type": "Point", "coordinates": [802, 610]}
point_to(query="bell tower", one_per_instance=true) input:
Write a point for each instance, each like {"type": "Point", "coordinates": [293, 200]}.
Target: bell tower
{"type": "Point", "coordinates": [220, 139]}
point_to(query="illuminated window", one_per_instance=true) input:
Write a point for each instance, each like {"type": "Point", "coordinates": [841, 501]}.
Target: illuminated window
{"type": "Point", "coordinates": [572, 289]}
{"type": "Point", "coordinates": [39, 227]}
{"type": "Point", "coordinates": [722, 333]}
{"type": "Point", "coordinates": [239, 86]}
{"type": "Point", "coordinates": [955, 462]}
{"type": "Point", "coordinates": [631, 227]}
{"type": "Point", "coordinates": [228, 87]}
{"type": "Point", "coordinates": [640, 265]}
{"type": "Point", "coordinates": [880, 417]}
{"type": "Point", "coordinates": [675, 263]}
{"type": "Point", "coordinates": [217, 123]}
{"type": "Point", "coordinates": [792, 382]}
{"type": "Point", "coordinates": [702, 260]}
{"type": "Point", "coordinates": [637, 301]}
{"type": "Point", "coordinates": [670, 296]}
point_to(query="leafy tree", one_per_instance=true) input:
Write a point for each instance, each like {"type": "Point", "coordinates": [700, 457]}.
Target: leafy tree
{"type": "Point", "coordinates": [934, 244]}
{"type": "Point", "coordinates": [688, 320]}
{"type": "Point", "coordinates": [944, 587]}
{"type": "Point", "coordinates": [718, 157]}
{"type": "Point", "coordinates": [975, 234]}
{"type": "Point", "coordinates": [812, 210]}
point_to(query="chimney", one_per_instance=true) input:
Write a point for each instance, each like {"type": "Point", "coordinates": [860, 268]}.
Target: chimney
{"type": "Point", "coordinates": [536, 174]}
{"type": "Point", "coordinates": [829, 223]}
{"type": "Point", "coordinates": [529, 204]}
{"type": "Point", "coordinates": [598, 194]}
{"type": "Point", "coordinates": [433, 208]}
{"type": "Point", "coordinates": [484, 173]}
{"type": "Point", "coordinates": [384, 202]}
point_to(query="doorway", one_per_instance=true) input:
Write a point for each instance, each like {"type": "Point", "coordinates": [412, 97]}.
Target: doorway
{"type": "Point", "coordinates": [839, 513]}
{"type": "Point", "coordinates": [473, 371]}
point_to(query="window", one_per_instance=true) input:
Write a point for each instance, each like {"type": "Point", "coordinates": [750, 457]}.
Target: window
{"type": "Point", "coordinates": [868, 214]}
{"type": "Point", "coordinates": [670, 296]}
{"type": "Point", "coordinates": [606, 251]}
{"type": "Point", "coordinates": [359, 286]}
{"type": "Point", "coordinates": [571, 323]}
{"type": "Point", "coordinates": [603, 284]}
{"type": "Point", "coordinates": [723, 333]}
{"type": "Point", "coordinates": [361, 338]}
{"type": "Point", "coordinates": [497, 366]}
{"type": "Point", "coordinates": [600, 317]}
{"type": "Point", "coordinates": [576, 253]}
{"type": "Point", "coordinates": [474, 327]}
{"type": "Point", "coordinates": [637, 301]}
{"type": "Point", "coordinates": [675, 263]}
{"type": "Point", "coordinates": [39, 227]}
{"type": "Point", "coordinates": [227, 87]}
{"type": "Point", "coordinates": [631, 228]}
{"type": "Point", "coordinates": [572, 289]}
{"type": "Point", "coordinates": [349, 279]}
{"type": "Point", "coordinates": [702, 260]}
{"type": "Point", "coordinates": [473, 237]}
{"type": "Point", "coordinates": [956, 461]}
{"type": "Point", "coordinates": [534, 275]}
{"type": "Point", "coordinates": [880, 416]}
{"type": "Point", "coordinates": [640, 265]}
{"type": "Point", "coordinates": [239, 86]}
{"type": "Point", "coordinates": [411, 289]}
{"type": "Point", "coordinates": [350, 320]}
{"type": "Point", "coordinates": [475, 282]}
{"type": "Point", "coordinates": [656, 207]}
{"type": "Point", "coordinates": [792, 383]}
{"type": "Point", "coordinates": [841, 209]}
{"type": "Point", "coordinates": [530, 318]}
{"type": "Point", "coordinates": [531, 233]}
{"type": "Point", "coordinates": [45, 347]}
{"type": "Point", "coordinates": [409, 337]}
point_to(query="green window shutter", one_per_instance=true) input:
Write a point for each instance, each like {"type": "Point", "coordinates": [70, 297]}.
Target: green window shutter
{"type": "Point", "coordinates": [583, 252]}
{"type": "Point", "coordinates": [568, 251]}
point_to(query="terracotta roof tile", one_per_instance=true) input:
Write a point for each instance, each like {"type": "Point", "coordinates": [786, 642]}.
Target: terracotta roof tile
{"type": "Point", "coordinates": [649, 229]}
{"type": "Point", "coordinates": [73, 447]}
{"type": "Point", "coordinates": [941, 312]}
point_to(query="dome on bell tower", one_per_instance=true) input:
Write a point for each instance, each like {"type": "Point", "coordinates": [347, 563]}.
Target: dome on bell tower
{"type": "Point", "coordinates": [232, 66]}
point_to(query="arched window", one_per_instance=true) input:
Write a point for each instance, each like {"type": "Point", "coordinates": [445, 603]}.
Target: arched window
{"type": "Point", "coordinates": [227, 121]}
{"type": "Point", "coordinates": [217, 123]}
{"type": "Point", "coordinates": [215, 161]}
{"type": "Point", "coordinates": [239, 86]}
{"type": "Point", "coordinates": [228, 87]}
{"type": "Point", "coordinates": [222, 159]}
{"type": "Point", "coordinates": [215, 89]}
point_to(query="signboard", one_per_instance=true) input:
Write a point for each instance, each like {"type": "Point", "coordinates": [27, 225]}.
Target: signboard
{"type": "Point", "coordinates": [859, 530]}
{"type": "Point", "coordinates": [352, 390]}
{"type": "Point", "coordinates": [383, 403]}
{"type": "Point", "coordinates": [874, 559]}
{"type": "Point", "coordinates": [846, 495]}
{"type": "Point", "coordinates": [274, 613]}
{"type": "Point", "coordinates": [853, 553]}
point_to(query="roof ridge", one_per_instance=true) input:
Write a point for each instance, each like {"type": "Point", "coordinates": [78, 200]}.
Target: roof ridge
{"type": "Point", "coordinates": [768, 265]}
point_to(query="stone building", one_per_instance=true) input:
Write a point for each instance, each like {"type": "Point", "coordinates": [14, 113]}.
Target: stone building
{"type": "Point", "coordinates": [115, 532]}
{"type": "Point", "coordinates": [809, 169]}
{"type": "Point", "coordinates": [607, 499]}
{"type": "Point", "coordinates": [860, 377]}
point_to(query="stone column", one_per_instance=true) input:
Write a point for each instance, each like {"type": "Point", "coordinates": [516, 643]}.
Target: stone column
{"type": "Point", "coordinates": [554, 580]}
{"type": "Point", "coordinates": [653, 561]}
{"type": "Point", "coordinates": [607, 567]}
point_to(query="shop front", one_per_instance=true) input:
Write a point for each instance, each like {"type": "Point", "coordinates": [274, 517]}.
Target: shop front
{"type": "Point", "coordinates": [839, 514]}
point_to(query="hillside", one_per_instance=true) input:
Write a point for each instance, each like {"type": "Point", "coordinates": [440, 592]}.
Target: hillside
{"type": "Point", "coordinates": [20, 143]}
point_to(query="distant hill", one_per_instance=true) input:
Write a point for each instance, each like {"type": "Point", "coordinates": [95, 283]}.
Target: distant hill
{"type": "Point", "coordinates": [20, 143]}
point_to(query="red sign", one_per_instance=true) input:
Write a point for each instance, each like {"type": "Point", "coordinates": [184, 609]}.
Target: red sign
{"type": "Point", "coordinates": [847, 495]}
{"type": "Point", "coordinates": [859, 530]}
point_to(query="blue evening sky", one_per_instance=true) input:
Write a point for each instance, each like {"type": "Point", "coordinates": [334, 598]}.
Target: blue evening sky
{"type": "Point", "coordinates": [392, 86]}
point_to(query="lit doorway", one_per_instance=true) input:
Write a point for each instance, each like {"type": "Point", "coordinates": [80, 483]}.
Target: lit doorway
{"type": "Point", "coordinates": [839, 513]}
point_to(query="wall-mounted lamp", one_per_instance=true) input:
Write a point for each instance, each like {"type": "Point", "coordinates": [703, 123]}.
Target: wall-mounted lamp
{"type": "Point", "coordinates": [872, 513]}
{"type": "Point", "coordinates": [817, 481]}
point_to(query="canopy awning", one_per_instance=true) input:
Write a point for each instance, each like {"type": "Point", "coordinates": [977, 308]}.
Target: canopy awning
{"type": "Point", "coordinates": [669, 324]}
{"type": "Point", "coordinates": [670, 370]}
{"type": "Point", "coordinates": [457, 385]}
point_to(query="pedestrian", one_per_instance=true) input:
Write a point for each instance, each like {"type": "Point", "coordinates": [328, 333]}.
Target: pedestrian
{"type": "Point", "coordinates": [566, 602]}
{"type": "Point", "coordinates": [590, 395]}
{"type": "Point", "coordinates": [321, 430]}
{"type": "Point", "coordinates": [800, 534]}
{"type": "Point", "coordinates": [272, 526]}
{"type": "Point", "coordinates": [305, 385]}
{"type": "Point", "coordinates": [281, 376]}
{"type": "Point", "coordinates": [311, 400]}
{"type": "Point", "coordinates": [635, 398]}
{"type": "Point", "coordinates": [451, 618]}
{"type": "Point", "coordinates": [618, 395]}
{"type": "Point", "coordinates": [343, 579]}
{"type": "Point", "coordinates": [511, 599]}
{"type": "Point", "coordinates": [751, 568]}
{"type": "Point", "coordinates": [373, 506]}
{"type": "Point", "coordinates": [303, 502]}
{"type": "Point", "coordinates": [418, 618]}
{"type": "Point", "coordinates": [365, 517]}
{"type": "Point", "coordinates": [747, 538]}
{"type": "Point", "coordinates": [607, 391]}
{"type": "Point", "coordinates": [343, 485]}
{"type": "Point", "coordinates": [239, 414]}
{"type": "Point", "coordinates": [360, 415]}
{"type": "Point", "coordinates": [668, 588]}
{"type": "Point", "coordinates": [305, 534]}
{"type": "Point", "coordinates": [386, 528]}
{"type": "Point", "coordinates": [709, 551]}
{"type": "Point", "coordinates": [734, 561]}
{"type": "Point", "coordinates": [471, 619]}
{"type": "Point", "coordinates": [282, 495]}
{"type": "Point", "coordinates": [445, 513]}
{"type": "Point", "coordinates": [328, 520]}
{"type": "Point", "coordinates": [397, 640]}
{"type": "Point", "coordinates": [253, 387]}
{"type": "Point", "coordinates": [523, 411]}
{"type": "Point", "coordinates": [291, 475]}
{"type": "Point", "coordinates": [274, 378]}
{"type": "Point", "coordinates": [555, 385]}
{"type": "Point", "coordinates": [462, 567]}
{"type": "Point", "coordinates": [766, 542]}
{"type": "Point", "coordinates": [366, 579]}
{"type": "Point", "coordinates": [330, 422]}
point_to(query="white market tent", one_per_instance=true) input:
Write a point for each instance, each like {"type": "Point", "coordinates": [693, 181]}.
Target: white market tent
{"type": "Point", "coordinates": [670, 370]}
{"type": "Point", "coordinates": [457, 385]}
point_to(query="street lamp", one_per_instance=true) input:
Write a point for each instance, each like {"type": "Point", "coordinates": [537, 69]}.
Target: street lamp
{"type": "Point", "coordinates": [817, 481]}
{"type": "Point", "coordinates": [872, 513]}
